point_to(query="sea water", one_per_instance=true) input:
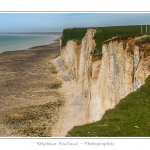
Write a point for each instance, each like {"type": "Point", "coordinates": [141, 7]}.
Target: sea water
{"type": "Point", "coordinates": [11, 42]}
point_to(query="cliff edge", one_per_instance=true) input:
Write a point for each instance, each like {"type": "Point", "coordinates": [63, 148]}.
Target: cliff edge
{"type": "Point", "coordinates": [107, 77]}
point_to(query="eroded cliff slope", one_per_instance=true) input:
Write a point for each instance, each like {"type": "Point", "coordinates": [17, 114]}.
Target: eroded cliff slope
{"type": "Point", "coordinates": [106, 78]}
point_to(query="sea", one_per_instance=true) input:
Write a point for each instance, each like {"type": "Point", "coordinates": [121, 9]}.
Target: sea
{"type": "Point", "coordinates": [12, 42]}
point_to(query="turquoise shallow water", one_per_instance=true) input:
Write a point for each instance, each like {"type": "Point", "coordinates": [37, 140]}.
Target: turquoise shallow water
{"type": "Point", "coordinates": [10, 42]}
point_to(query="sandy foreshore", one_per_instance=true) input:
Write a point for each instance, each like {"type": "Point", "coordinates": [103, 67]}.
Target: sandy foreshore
{"type": "Point", "coordinates": [38, 98]}
{"type": "Point", "coordinates": [29, 97]}
{"type": "Point", "coordinates": [73, 112]}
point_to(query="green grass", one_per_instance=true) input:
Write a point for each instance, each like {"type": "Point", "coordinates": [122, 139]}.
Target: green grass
{"type": "Point", "coordinates": [130, 118]}
{"type": "Point", "coordinates": [102, 34]}
{"type": "Point", "coordinates": [73, 34]}
{"type": "Point", "coordinates": [105, 33]}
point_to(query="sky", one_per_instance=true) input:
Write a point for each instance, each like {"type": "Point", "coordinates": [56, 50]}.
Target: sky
{"type": "Point", "coordinates": [56, 22]}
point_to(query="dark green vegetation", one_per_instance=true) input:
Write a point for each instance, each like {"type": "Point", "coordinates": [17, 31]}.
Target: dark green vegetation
{"type": "Point", "coordinates": [73, 34]}
{"type": "Point", "coordinates": [130, 118]}
{"type": "Point", "coordinates": [103, 33]}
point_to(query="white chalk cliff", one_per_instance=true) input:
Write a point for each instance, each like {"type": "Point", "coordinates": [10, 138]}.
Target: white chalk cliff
{"type": "Point", "coordinates": [106, 78]}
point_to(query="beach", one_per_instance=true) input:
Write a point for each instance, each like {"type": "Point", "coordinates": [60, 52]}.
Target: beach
{"type": "Point", "coordinates": [29, 97]}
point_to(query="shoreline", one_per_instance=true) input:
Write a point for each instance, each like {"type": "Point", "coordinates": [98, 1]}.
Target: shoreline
{"type": "Point", "coordinates": [39, 46]}
{"type": "Point", "coordinates": [29, 45]}
{"type": "Point", "coordinates": [36, 83]}
{"type": "Point", "coordinates": [32, 47]}
{"type": "Point", "coordinates": [29, 91]}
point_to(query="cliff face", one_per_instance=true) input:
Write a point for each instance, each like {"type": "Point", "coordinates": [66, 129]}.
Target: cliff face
{"type": "Point", "coordinates": [70, 55]}
{"type": "Point", "coordinates": [106, 78]}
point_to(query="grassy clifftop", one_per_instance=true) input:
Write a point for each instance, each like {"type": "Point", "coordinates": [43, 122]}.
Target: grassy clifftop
{"type": "Point", "coordinates": [102, 34]}
{"type": "Point", "coordinates": [130, 118]}
{"type": "Point", "coordinates": [73, 34]}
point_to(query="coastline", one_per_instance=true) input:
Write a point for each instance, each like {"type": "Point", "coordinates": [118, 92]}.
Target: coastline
{"type": "Point", "coordinates": [29, 97]}
{"type": "Point", "coordinates": [14, 42]}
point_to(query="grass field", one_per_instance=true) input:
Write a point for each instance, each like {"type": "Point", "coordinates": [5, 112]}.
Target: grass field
{"type": "Point", "coordinates": [102, 34]}
{"type": "Point", "coordinates": [73, 34]}
{"type": "Point", "coordinates": [130, 118]}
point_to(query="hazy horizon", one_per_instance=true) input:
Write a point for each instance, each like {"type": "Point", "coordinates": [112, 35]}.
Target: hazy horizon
{"type": "Point", "coordinates": [56, 22]}
{"type": "Point", "coordinates": [30, 32]}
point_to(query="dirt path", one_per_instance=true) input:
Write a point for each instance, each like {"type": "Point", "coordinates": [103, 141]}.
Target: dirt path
{"type": "Point", "coordinates": [73, 113]}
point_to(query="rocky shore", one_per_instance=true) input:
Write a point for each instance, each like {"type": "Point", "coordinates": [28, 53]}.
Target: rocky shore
{"type": "Point", "coordinates": [29, 97]}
